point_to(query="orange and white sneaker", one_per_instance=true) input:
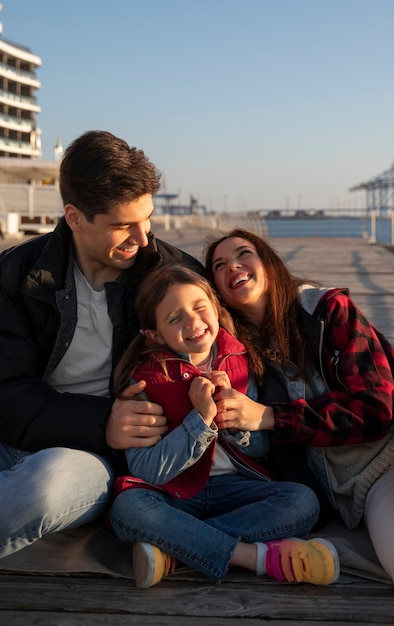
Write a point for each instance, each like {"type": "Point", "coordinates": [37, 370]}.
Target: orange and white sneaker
{"type": "Point", "coordinates": [312, 561]}
{"type": "Point", "coordinates": [150, 564]}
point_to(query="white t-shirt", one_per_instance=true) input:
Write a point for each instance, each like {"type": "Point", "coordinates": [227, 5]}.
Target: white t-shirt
{"type": "Point", "coordinates": [222, 463]}
{"type": "Point", "coordinates": [86, 366]}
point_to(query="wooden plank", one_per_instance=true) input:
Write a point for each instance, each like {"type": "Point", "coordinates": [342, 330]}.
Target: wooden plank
{"type": "Point", "coordinates": [362, 603]}
{"type": "Point", "coordinates": [78, 619]}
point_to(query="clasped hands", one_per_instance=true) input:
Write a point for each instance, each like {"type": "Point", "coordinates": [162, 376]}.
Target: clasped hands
{"type": "Point", "coordinates": [141, 423]}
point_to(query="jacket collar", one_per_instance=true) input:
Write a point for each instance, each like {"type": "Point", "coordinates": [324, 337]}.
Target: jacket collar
{"type": "Point", "coordinates": [53, 268]}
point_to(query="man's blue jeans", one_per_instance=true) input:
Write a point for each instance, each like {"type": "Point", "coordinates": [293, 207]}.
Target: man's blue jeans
{"type": "Point", "coordinates": [204, 530]}
{"type": "Point", "coordinates": [48, 491]}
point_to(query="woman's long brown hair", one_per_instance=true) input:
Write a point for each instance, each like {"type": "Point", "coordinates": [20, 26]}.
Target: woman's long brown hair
{"type": "Point", "coordinates": [280, 337]}
{"type": "Point", "coordinates": [151, 292]}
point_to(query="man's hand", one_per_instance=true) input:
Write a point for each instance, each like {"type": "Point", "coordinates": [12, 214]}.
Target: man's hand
{"type": "Point", "coordinates": [135, 423]}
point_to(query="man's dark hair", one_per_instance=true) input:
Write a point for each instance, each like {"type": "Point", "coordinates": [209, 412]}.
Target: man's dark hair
{"type": "Point", "coordinates": [99, 170]}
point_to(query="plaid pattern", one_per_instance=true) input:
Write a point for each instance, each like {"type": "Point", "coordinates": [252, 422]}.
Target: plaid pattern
{"type": "Point", "coordinates": [358, 367]}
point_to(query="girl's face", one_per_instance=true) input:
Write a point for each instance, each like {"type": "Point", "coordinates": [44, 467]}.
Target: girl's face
{"type": "Point", "coordinates": [239, 276]}
{"type": "Point", "coordinates": [186, 321]}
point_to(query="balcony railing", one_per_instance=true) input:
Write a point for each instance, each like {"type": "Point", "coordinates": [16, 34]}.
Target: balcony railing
{"type": "Point", "coordinates": [19, 76]}
{"type": "Point", "coordinates": [23, 102]}
{"type": "Point", "coordinates": [16, 123]}
{"type": "Point", "coordinates": [19, 147]}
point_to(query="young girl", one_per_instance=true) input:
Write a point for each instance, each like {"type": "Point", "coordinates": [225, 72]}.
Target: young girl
{"type": "Point", "coordinates": [208, 501]}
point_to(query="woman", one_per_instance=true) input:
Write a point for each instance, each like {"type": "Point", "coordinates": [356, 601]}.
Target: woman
{"type": "Point", "coordinates": [326, 377]}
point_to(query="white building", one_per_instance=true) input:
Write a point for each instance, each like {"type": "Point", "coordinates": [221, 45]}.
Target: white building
{"type": "Point", "coordinates": [20, 135]}
{"type": "Point", "coordinates": [29, 192]}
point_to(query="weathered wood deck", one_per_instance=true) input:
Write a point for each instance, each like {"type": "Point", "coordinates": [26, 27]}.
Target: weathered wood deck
{"type": "Point", "coordinates": [64, 601]}
{"type": "Point", "coordinates": [189, 600]}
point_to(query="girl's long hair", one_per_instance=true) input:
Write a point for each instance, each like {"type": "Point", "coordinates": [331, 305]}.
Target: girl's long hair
{"type": "Point", "coordinates": [151, 292]}
{"type": "Point", "coordinates": [280, 336]}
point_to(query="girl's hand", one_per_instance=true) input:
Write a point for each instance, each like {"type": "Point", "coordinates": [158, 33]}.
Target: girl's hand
{"type": "Point", "coordinates": [201, 395]}
{"type": "Point", "coordinates": [237, 411]}
{"type": "Point", "coordinates": [219, 378]}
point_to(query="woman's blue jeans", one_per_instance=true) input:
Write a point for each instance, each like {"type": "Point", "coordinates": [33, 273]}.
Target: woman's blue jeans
{"type": "Point", "coordinates": [204, 530]}
{"type": "Point", "coordinates": [47, 491]}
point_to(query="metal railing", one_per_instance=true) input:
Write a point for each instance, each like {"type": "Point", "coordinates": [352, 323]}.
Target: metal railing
{"type": "Point", "coordinates": [365, 226]}
{"type": "Point", "coordinates": [43, 205]}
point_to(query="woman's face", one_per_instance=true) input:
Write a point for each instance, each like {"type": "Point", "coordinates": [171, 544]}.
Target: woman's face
{"type": "Point", "coordinates": [239, 275]}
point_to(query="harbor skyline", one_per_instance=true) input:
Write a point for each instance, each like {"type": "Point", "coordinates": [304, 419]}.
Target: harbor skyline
{"type": "Point", "coordinates": [245, 105]}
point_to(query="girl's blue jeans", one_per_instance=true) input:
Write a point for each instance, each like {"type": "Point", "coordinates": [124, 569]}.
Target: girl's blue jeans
{"type": "Point", "coordinates": [203, 531]}
{"type": "Point", "coordinates": [48, 491]}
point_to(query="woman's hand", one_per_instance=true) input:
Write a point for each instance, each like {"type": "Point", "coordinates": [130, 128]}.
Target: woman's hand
{"type": "Point", "coordinates": [237, 411]}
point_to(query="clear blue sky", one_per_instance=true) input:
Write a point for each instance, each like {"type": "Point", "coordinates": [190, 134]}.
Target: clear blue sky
{"type": "Point", "coordinates": [247, 104]}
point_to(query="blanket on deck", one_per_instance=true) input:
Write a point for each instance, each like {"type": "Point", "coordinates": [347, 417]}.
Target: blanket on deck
{"type": "Point", "coordinates": [94, 550]}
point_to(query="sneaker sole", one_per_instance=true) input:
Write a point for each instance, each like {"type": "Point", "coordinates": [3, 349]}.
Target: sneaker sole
{"type": "Point", "coordinates": [333, 552]}
{"type": "Point", "coordinates": [143, 565]}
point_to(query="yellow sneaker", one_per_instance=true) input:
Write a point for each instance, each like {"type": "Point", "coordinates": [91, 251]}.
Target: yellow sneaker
{"type": "Point", "coordinates": [312, 561]}
{"type": "Point", "coordinates": [150, 564]}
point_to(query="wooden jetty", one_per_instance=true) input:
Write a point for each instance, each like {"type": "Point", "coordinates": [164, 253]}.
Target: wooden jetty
{"type": "Point", "coordinates": [188, 599]}
{"type": "Point", "coordinates": [366, 269]}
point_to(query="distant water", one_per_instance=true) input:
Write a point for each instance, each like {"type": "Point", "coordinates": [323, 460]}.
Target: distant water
{"type": "Point", "coordinates": [326, 226]}
{"type": "Point", "coordinates": [329, 227]}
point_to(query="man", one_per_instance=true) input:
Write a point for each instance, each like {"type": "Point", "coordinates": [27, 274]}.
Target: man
{"type": "Point", "coordinates": [66, 316]}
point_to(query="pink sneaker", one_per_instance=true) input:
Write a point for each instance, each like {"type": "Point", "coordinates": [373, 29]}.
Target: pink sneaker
{"type": "Point", "coordinates": [312, 561]}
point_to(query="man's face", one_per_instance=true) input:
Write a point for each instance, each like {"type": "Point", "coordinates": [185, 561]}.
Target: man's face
{"type": "Point", "coordinates": [112, 240]}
